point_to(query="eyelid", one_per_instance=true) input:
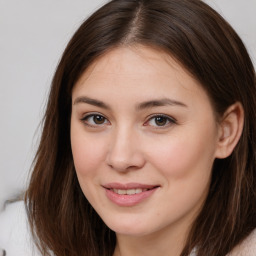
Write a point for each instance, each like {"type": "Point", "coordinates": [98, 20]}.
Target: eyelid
{"type": "Point", "coordinates": [170, 119]}
{"type": "Point", "coordinates": [92, 114]}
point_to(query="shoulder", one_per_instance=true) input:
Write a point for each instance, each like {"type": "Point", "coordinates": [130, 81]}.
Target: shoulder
{"type": "Point", "coordinates": [247, 247]}
{"type": "Point", "coordinates": [15, 236]}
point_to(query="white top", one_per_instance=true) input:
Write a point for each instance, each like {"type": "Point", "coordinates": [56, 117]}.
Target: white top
{"type": "Point", "coordinates": [247, 247]}
{"type": "Point", "coordinates": [14, 232]}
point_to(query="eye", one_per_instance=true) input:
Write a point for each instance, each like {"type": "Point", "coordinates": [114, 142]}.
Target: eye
{"type": "Point", "coordinates": [160, 121]}
{"type": "Point", "coordinates": [95, 120]}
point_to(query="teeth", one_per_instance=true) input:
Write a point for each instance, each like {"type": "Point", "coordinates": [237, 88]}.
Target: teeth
{"type": "Point", "coordinates": [129, 191]}
{"type": "Point", "coordinates": [138, 190]}
{"type": "Point", "coordinates": [121, 192]}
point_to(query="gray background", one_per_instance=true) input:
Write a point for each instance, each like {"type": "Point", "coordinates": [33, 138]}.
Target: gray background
{"type": "Point", "coordinates": [33, 36]}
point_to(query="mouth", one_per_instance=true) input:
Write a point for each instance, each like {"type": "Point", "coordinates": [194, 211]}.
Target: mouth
{"type": "Point", "coordinates": [128, 191]}
{"type": "Point", "coordinates": [129, 188]}
{"type": "Point", "coordinates": [129, 194]}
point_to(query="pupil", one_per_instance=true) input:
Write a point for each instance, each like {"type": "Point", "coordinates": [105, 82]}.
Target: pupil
{"type": "Point", "coordinates": [160, 120]}
{"type": "Point", "coordinates": [98, 119]}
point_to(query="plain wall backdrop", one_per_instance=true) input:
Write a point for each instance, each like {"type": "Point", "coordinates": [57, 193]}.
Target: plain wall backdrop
{"type": "Point", "coordinates": [33, 35]}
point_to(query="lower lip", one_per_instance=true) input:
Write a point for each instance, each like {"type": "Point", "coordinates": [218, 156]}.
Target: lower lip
{"type": "Point", "coordinates": [129, 200]}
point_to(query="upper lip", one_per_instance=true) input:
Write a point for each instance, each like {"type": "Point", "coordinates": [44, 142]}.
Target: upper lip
{"type": "Point", "coordinates": [126, 186]}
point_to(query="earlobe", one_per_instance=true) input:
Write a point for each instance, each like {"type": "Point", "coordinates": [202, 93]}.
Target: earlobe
{"type": "Point", "coordinates": [230, 130]}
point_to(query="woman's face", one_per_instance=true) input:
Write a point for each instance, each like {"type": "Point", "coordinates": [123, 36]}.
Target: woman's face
{"type": "Point", "coordinates": [144, 138]}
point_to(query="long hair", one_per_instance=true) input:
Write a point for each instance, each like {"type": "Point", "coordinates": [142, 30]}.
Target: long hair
{"type": "Point", "coordinates": [62, 221]}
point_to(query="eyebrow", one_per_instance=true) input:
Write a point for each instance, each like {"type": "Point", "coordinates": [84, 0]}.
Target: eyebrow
{"type": "Point", "coordinates": [160, 103]}
{"type": "Point", "coordinates": [141, 106]}
{"type": "Point", "coordinates": [91, 101]}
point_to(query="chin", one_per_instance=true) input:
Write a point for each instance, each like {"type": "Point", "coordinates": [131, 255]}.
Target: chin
{"type": "Point", "coordinates": [130, 228]}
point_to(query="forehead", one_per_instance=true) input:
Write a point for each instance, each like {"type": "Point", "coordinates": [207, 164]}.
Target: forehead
{"type": "Point", "coordinates": [135, 61]}
{"type": "Point", "coordinates": [138, 73]}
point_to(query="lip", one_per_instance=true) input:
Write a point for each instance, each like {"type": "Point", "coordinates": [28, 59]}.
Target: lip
{"type": "Point", "coordinates": [116, 185]}
{"type": "Point", "coordinates": [129, 200]}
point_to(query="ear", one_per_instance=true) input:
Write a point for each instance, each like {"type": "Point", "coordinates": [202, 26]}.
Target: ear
{"type": "Point", "coordinates": [230, 130]}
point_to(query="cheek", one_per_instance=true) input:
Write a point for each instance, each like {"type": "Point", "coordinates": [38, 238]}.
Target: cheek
{"type": "Point", "coordinates": [185, 163]}
{"type": "Point", "coordinates": [88, 156]}
{"type": "Point", "coordinates": [182, 156]}
{"type": "Point", "coordinates": [88, 153]}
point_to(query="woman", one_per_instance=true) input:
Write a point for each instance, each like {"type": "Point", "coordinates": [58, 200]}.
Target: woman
{"type": "Point", "coordinates": [149, 144]}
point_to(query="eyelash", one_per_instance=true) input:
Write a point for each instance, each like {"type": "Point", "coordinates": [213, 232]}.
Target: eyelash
{"type": "Point", "coordinates": [167, 120]}
{"type": "Point", "coordinates": [93, 115]}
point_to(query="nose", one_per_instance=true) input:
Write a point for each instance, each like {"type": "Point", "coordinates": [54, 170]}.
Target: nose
{"type": "Point", "coordinates": [125, 151]}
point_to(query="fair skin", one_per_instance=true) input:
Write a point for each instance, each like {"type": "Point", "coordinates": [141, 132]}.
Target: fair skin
{"type": "Point", "coordinates": [139, 120]}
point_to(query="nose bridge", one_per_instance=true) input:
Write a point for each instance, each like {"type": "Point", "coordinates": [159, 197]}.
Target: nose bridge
{"type": "Point", "coordinates": [124, 151]}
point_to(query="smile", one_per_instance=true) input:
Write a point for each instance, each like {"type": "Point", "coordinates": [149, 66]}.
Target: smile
{"type": "Point", "coordinates": [129, 191]}
{"type": "Point", "coordinates": [129, 194]}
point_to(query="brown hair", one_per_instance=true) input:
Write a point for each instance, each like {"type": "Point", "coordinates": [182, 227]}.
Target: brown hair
{"type": "Point", "coordinates": [61, 218]}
